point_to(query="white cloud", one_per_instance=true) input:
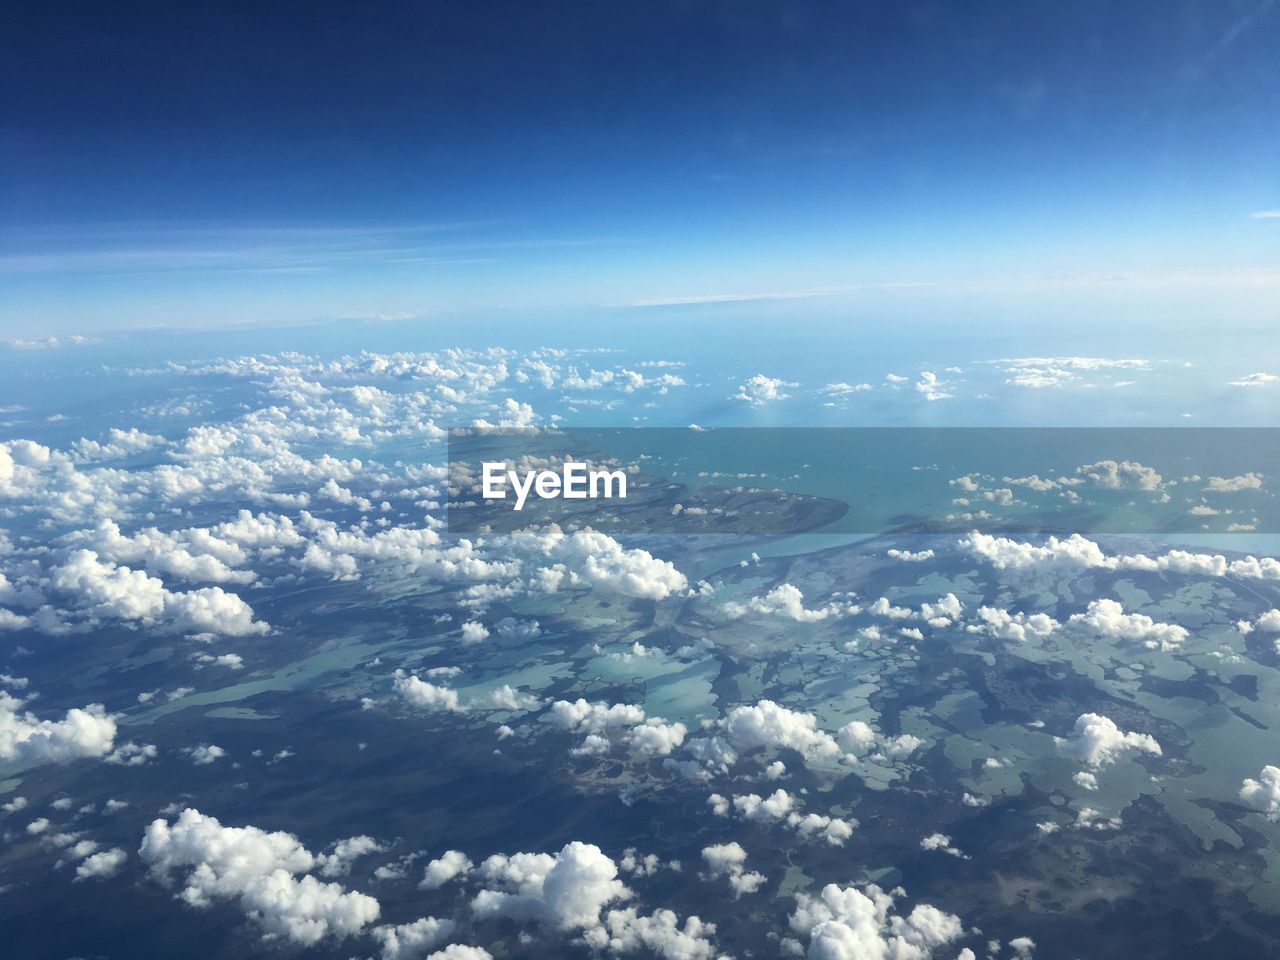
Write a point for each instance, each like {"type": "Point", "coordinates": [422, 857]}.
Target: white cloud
{"type": "Point", "coordinates": [1076, 553]}
{"type": "Point", "coordinates": [852, 923]}
{"type": "Point", "coordinates": [759, 390]}
{"type": "Point", "coordinates": [1264, 793]}
{"type": "Point", "coordinates": [1247, 481]}
{"type": "Point", "coordinates": [729, 860]}
{"type": "Point", "coordinates": [258, 869]}
{"type": "Point", "coordinates": [1108, 618]}
{"type": "Point", "coordinates": [772, 726]}
{"type": "Point", "coordinates": [941, 843]}
{"type": "Point", "coordinates": [204, 754]}
{"type": "Point", "coordinates": [411, 941]}
{"type": "Point", "coordinates": [101, 865]}
{"type": "Point", "coordinates": [786, 600]}
{"type": "Point", "coordinates": [105, 589]}
{"type": "Point", "coordinates": [566, 891]}
{"type": "Point", "coordinates": [450, 864]}
{"type": "Point", "coordinates": [1004, 625]}
{"type": "Point", "coordinates": [427, 696]}
{"type": "Point", "coordinates": [83, 732]}
{"type": "Point", "coordinates": [337, 863]}
{"type": "Point", "coordinates": [589, 558]}
{"type": "Point", "coordinates": [1254, 380]}
{"type": "Point", "coordinates": [474, 632]}
{"type": "Point", "coordinates": [661, 933]}
{"type": "Point", "coordinates": [1098, 742]}
{"type": "Point", "coordinates": [931, 387]}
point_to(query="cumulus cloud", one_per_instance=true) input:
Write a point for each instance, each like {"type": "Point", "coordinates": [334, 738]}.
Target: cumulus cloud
{"type": "Point", "coordinates": [1076, 553]}
{"type": "Point", "coordinates": [1107, 617]}
{"type": "Point", "coordinates": [771, 726]}
{"type": "Point", "coordinates": [266, 872]}
{"type": "Point", "coordinates": [729, 860]}
{"type": "Point", "coordinates": [204, 754]}
{"type": "Point", "coordinates": [941, 843]}
{"type": "Point", "coordinates": [588, 558]}
{"type": "Point", "coordinates": [565, 891]}
{"type": "Point", "coordinates": [660, 934]}
{"type": "Point", "coordinates": [759, 390]}
{"type": "Point", "coordinates": [1247, 481]}
{"type": "Point", "coordinates": [1263, 794]}
{"type": "Point", "coordinates": [1003, 625]}
{"type": "Point", "coordinates": [1098, 742]}
{"type": "Point", "coordinates": [603, 723]}
{"type": "Point", "coordinates": [427, 696]}
{"type": "Point", "coordinates": [101, 865]}
{"type": "Point", "coordinates": [859, 923]}
{"type": "Point", "coordinates": [450, 864]}
{"type": "Point", "coordinates": [786, 600]}
{"type": "Point", "coordinates": [105, 589]}
{"type": "Point", "coordinates": [412, 941]}
{"type": "Point", "coordinates": [1254, 380]}
{"type": "Point", "coordinates": [83, 732]}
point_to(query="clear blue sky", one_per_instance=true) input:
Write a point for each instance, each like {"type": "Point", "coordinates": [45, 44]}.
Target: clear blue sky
{"type": "Point", "coordinates": [228, 163]}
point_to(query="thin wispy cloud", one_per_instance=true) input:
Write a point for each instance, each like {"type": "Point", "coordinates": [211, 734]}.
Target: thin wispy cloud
{"type": "Point", "coordinates": [154, 248]}
{"type": "Point", "coordinates": [1265, 215]}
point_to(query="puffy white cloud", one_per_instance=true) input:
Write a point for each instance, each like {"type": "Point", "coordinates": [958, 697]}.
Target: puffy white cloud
{"type": "Point", "coordinates": [507, 697]}
{"type": "Point", "coordinates": [856, 737]}
{"type": "Point", "coordinates": [942, 843]}
{"type": "Point", "coordinates": [1264, 793]}
{"type": "Point", "coordinates": [1086, 779]}
{"type": "Point", "coordinates": [1076, 553]}
{"type": "Point", "coordinates": [646, 737]}
{"type": "Point", "coordinates": [194, 554]}
{"type": "Point", "coordinates": [411, 941]}
{"type": "Point", "coordinates": [566, 891]}
{"type": "Point", "coordinates": [1108, 618]}
{"type": "Point", "coordinates": [772, 726]}
{"type": "Point", "coordinates": [474, 632]}
{"type": "Point", "coordinates": [588, 558]}
{"type": "Point", "coordinates": [852, 923]}
{"type": "Point", "coordinates": [1088, 818]}
{"type": "Point", "coordinates": [101, 865]}
{"type": "Point", "coordinates": [260, 870]}
{"type": "Point", "coordinates": [786, 600]}
{"type": "Point", "coordinates": [931, 387]}
{"type": "Point", "coordinates": [780, 807]}
{"type": "Point", "coordinates": [1003, 625]}
{"type": "Point", "coordinates": [774, 807]}
{"type": "Point", "coordinates": [1247, 481]}
{"type": "Point", "coordinates": [660, 933]}
{"type": "Point", "coordinates": [461, 951]}
{"type": "Point", "coordinates": [656, 738]}
{"type": "Point", "coordinates": [1121, 475]}
{"type": "Point", "coordinates": [595, 717]}
{"type": "Point", "coordinates": [908, 556]}
{"type": "Point", "coordinates": [204, 754]}
{"type": "Point", "coordinates": [729, 860]}
{"type": "Point", "coordinates": [450, 864]}
{"type": "Point", "coordinates": [83, 732]}
{"type": "Point", "coordinates": [1098, 742]}
{"type": "Point", "coordinates": [105, 589]}
{"type": "Point", "coordinates": [337, 863]}
{"type": "Point", "coordinates": [759, 390]}
{"type": "Point", "coordinates": [428, 696]}
{"type": "Point", "coordinates": [832, 829]}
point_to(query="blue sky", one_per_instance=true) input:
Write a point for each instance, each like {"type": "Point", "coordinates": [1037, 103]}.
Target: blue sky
{"type": "Point", "coordinates": [270, 164]}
